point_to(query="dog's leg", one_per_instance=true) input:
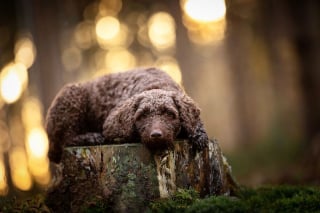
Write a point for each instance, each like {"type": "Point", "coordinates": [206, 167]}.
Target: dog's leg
{"type": "Point", "coordinates": [199, 137]}
{"type": "Point", "coordinates": [91, 138]}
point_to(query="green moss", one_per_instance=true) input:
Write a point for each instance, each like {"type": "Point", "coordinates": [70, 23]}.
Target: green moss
{"type": "Point", "coordinates": [264, 199]}
{"type": "Point", "coordinates": [282, 199]}
{"type": "Point", "coordinates": [98, 207]}
{"type": "Point", "coordinates": [177, 203]}
{"type": "Point", "coordinates": [30, 204]}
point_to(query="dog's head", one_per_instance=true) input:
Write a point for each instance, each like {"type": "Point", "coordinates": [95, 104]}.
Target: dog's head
{"type": "Point", "coordinates": [156, 117]}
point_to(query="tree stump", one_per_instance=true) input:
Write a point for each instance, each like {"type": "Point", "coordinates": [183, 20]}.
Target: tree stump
{"type": "Point", "coordinates": [126, 177]}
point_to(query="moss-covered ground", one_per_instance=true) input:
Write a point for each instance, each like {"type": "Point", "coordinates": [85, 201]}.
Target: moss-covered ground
{"type": "Point", "coordinates": [263, 199]}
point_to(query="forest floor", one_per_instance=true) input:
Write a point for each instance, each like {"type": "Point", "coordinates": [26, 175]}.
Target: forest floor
{"type": "Point", "coordinates": [283, 198]}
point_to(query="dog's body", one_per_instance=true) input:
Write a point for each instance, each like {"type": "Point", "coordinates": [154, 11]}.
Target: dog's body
{"type": "Point", "coordinates": [142, 104]}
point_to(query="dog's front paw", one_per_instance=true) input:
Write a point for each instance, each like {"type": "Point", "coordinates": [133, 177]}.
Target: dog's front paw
{"type": "Point", "coordinates": [200, 142]}
{"type": "Point", "coordinates": [88, 139]}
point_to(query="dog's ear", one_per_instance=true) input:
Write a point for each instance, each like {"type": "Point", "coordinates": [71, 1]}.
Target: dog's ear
{"type": "Point", "coordinates": [188, 111]}
{"type": "Point", "coordinates": [190, 120]}
{"type": "Point", "coordinates": [119, 124]}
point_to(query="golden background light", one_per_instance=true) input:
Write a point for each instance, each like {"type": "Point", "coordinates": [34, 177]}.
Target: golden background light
{"type": "Point", "coordinates": [142, 33]}
{"type": "Point", "coordinates": [21, 177]}
{"type": "Point", "coordinates": [84, 34]}
{"type": "Point", "coordinates": [205, 20]}
{"type": "Point", "coordinates": [25, 52]}
{"type": "Point", "coordinates": [98, 60]}
{"type": "Point", "coordinates": [4, 139]}
{"type": "Point", "coordinates": [146, 59]}
{"type": "Point", "coordinates": [109, 7]}
{"type": "Point", "coordinates": [37, 143]}
{"type": "Point", "coordinates": [161, 30]}
{"type": "Point", "coordinates": [40, 170]}
{"type": "Point", "coordinates": [31, 113]}
{"type": "Point", "coordinates": [123, 38]}
{"type": "Point", "coordinates": [13, 80]}
{"type": "Point", "coordinates": [209, 33]}
{"type": "Point", "coordinates": [119, 59]}
{"type": "Point", "coordinates": [3, 179]}
{"type": "Point", "coordinates": [170, 66]}
{"type": "Point", "coordinates": [71, 58]}
{"type": "Point", "coordinates": [37, 149]}
{"type": "Point", "coordinates": [107, 27]}
{"type": "Point", "coordinates": [205, 10]}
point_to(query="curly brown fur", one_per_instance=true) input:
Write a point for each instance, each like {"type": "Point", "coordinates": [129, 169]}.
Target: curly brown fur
{"type": "Point", "coordinates": [142, 104]}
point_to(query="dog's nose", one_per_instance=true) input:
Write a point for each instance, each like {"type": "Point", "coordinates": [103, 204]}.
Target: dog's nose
{"type": "Point", "coordinates": [156, 134]}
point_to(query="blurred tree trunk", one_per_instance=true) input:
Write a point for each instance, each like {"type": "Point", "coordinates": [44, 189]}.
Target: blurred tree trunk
{"type": "Point", "coordinates": [306, 37]}
{"type": "Point", "coordinates": [290, 31]}
{"type": "Point", "coordinates": [298, 23]}
{"type": "Point", "coordinates": [237, 42]}
{"type": "Point", "coordinates": [48, 71]}
{"type": "Point", "coordinates": [7, 31]}
{"type": "Point", "coordinates": [51, 24]}
{"type": "Point", "coordinates": [188, 60]}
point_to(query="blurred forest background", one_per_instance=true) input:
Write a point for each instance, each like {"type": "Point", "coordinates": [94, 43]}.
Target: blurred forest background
{"type": "Point", "coordinates": [253, 66]}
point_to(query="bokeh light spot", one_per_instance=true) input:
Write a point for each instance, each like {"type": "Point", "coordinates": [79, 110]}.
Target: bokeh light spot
{"type": "Point", "coordinates": [170, 66]}
{"type": "Point", "coordinates": [208, 34]}
{"type": "Point", "coordinates": [13, 80]}
{"type": "Point", "coordinates": [3, 179]}
{"type": "Point", "coordinates": [40, 170]}
{"type": "Point", "coordinates": [21, 177]}
{"type": "Point", "coordinates": [205, 10]}
{"type": "Point", "coordinates": [123, 39]}
{"type": "Point", "coordinates": [37, 143]}
{"type": "Point", "coordinates": [84, 34]}
{"type": "Point", "coordinates": [205, 20]}
{"type": "Point", "coordinates": [25, 52]}
{"type": "Point", "coordinates": [161, 30]}
{"type": "Point", "coordinates": [107, 27]}
{"type": "Point", "coordinates": [31, 113]}
{"type": "Point", "coordinates": [109, 7]}
{"type": "Point", "coordinates": [119, 59]}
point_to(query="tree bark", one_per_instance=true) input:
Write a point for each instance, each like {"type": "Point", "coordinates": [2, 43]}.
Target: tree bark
{"type": "Point", "coordinates": [130, 176]}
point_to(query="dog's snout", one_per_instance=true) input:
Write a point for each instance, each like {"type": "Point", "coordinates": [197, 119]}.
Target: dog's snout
{"type": "Point", "coordinates": [156, 134]}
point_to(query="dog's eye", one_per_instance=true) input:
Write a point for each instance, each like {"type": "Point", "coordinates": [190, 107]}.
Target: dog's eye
{"type": "Point", "coordinates": [141, 114]}
{"type": "Point", "coordinates": [171, 114]}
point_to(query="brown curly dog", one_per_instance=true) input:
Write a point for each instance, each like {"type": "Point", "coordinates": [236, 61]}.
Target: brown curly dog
{"type": "Point", "coordinates": [140, 105]}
